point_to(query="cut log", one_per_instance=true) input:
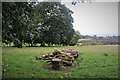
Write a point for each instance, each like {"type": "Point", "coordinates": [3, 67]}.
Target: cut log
{"type": "Point", "coordinates": [56, 63]}
{"type": "Point", "coordinates": [67, 63]}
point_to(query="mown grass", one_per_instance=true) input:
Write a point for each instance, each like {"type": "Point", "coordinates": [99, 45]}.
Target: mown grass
{"type": "Point", "coordinates": [98, 62]}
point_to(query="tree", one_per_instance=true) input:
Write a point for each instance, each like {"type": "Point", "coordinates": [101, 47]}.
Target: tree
{"type": "Point", "coordinates": [75, 38]}
{"type": "Point", "coordinates": [15, 21]}
{"type": "Point", "coordinates": [56, 23]}
{"type": "Point", "coordinates": [74, 2]}
{"type": "Point", "coordinates": [43, 23]}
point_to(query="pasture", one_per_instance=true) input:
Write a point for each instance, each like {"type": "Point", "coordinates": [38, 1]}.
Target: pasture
{"type": "Point", "coordinates": [93, 62]}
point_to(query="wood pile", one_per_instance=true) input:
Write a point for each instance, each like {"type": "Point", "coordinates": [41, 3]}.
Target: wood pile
{"type": "Point", "coordinates": [57, 58]}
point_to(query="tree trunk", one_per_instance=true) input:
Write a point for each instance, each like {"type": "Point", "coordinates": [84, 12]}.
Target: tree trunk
{"type": "Point", "coordinates": [42, 44]}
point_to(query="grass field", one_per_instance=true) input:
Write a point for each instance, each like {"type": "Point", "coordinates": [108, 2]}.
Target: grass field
{"type": "Point", "coordinates": [97, 62]}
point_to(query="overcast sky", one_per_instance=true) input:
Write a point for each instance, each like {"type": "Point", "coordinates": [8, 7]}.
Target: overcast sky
{"type": "Point", "coordinates": [99, 18]}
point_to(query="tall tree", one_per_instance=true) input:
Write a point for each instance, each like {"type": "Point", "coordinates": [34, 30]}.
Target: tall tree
{"type": "Point", "coordinates": [56, 23]}
{"type": "Point", "coordinates": [15, 21]}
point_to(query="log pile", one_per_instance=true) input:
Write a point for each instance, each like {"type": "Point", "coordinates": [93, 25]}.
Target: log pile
{"type": "Point", "coordinates": [57, 58]}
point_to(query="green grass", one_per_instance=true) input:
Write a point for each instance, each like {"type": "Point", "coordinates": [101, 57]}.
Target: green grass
{"type": "Point", "coordinates": [21, 63]}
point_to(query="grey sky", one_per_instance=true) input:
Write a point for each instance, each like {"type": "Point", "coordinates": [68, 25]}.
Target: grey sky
{"type": "Point", "coordinates": [91, 0]}
{"type": "Point", "coordinates": [100, 18]}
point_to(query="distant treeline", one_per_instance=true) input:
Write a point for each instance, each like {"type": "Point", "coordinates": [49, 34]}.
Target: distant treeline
{"type": "Point", "coordinates": [98, 40]}
{"type": "Point", "coordinates": [37, 23]}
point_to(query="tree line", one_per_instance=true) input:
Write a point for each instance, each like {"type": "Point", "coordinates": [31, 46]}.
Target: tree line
{"type": "Point", "coordinates": [37, 23]}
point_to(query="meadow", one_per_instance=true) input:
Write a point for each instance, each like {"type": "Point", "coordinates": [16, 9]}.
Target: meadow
{"type": "Point", "coordinates": [99, 61]}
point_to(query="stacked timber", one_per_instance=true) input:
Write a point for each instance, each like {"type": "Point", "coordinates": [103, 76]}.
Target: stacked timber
{"type": "Point", "coordinates": [57, 58]}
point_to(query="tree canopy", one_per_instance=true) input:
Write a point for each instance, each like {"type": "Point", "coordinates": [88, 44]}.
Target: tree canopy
{"type": "Point", "coordinates": [36, 23]}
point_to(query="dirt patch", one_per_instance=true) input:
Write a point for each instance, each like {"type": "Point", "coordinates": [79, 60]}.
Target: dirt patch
{"type": "Point", "coordinates": [63, 68]}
